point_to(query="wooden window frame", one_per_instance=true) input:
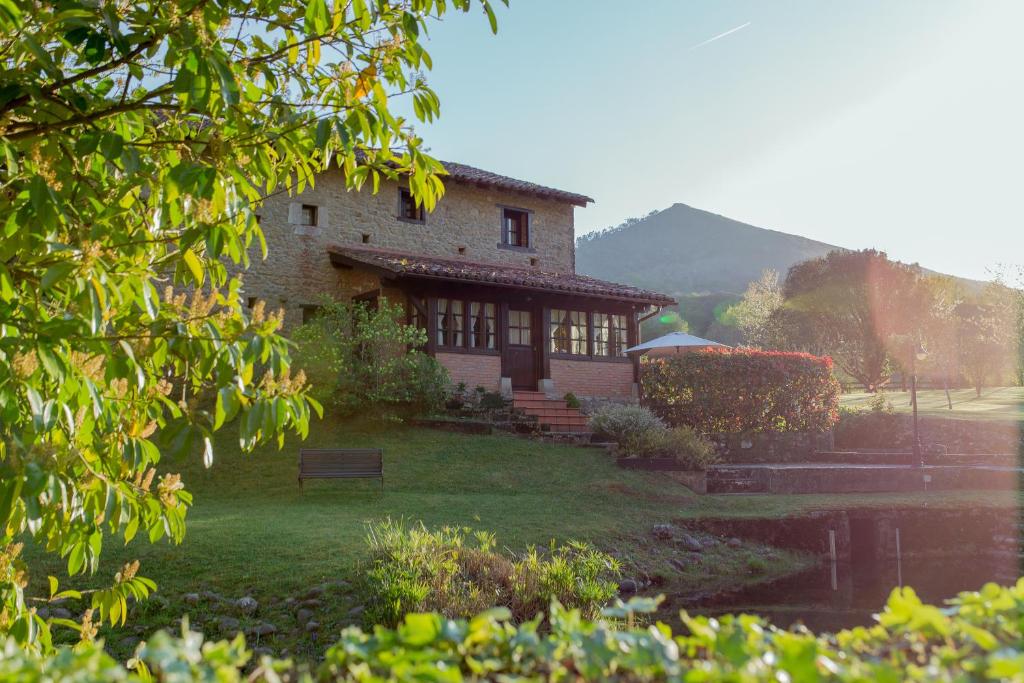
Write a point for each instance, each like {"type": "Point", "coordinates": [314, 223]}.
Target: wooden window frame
{"type": "Point", "coordinates": [314, 213]}
{"type": "Point", "coordinates": [421, 219]}
{"type": "Point", "coordinates": [527, 230]}
{"type": "Point", "coordinates": [606, 321]}
{"type": "Point", "coordinates": [443, 344]}
{"type": "Point", "coordinates": [529, 327]}
{"type": "Point", "coordinates": [471, 326]}
{"type": "Point", "coordinates": [592, 318]}
{"type": "Point", "coordinates": [587, 330]}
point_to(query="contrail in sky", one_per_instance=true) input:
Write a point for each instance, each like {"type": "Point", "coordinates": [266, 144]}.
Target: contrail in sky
{"type": "Point", "coordinates": [721, 35]}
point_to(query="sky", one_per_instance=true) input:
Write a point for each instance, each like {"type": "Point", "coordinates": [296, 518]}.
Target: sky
{"type": "Point", "coordinates": [893, 124]}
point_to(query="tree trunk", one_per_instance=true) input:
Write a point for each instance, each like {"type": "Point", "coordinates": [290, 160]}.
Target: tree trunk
{"type": "Point", "coordinates": [945, 385]}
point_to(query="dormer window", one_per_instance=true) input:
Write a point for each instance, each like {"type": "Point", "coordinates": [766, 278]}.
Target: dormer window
{"type": "Point", "coordinates": [408, 210]}
{"type": "Point", "coordinates": [515, 227]}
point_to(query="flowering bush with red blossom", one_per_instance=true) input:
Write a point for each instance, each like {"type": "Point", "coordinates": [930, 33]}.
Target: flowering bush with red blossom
{"type": "Point", "coordinates": [722, 391]}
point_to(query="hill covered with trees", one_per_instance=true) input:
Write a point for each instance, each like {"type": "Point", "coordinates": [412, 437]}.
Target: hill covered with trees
{"type": "Point", "coordinates": [685, 251]}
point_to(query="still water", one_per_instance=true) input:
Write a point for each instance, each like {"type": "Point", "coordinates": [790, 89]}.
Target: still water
{"type": "Point", "coordinates": [841, 595]}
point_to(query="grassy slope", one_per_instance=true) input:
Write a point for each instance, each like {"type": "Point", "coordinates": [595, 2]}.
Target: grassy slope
{"type": "Point", "coordinates": [252, 532]}
{"type": "Point", "coordinates": [996, 403]}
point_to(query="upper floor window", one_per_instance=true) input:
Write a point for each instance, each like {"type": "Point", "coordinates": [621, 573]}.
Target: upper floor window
{"type": "Point", "coordinates": [408, 209]}
{"type": "Point", "coordinates": [307, 214]}
{"type": "Point", "coordinates": [515, 227]}
{"type": "Point", "coordinates": [569, 332]}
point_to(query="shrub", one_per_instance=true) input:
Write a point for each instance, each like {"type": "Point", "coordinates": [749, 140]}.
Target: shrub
{"type": "Point", "coordinates": [358, 357]}
{"type": "Point", "coordinates": [742, 390]}
{"type": "Point", "coordinates": [641, 434]}
{"type": "Point", "coordinates": [571, 401]}
{"type": "Point", "coordinates": [688, 448]}
{"type": "Point", "coordinates": [872, 429]}
{"type": "Point", "coordinates": [977, 638]}
{"type": "Point", "coordinates": [458, 573]}
{"type": "Point", "coordinates": [492, 400]}
{"type": "Point", "coordinates": [635, 429]}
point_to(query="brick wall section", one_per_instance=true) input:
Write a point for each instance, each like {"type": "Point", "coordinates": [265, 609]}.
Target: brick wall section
{"type": "Point", "coordinates": [476, 370]}
{"type": "Point", "coordinates": [298, 271]}
{"type": "Point", "coordinates": [587, 378]}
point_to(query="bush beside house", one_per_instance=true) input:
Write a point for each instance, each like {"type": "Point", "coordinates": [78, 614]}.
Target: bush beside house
{"type": "Point", "coordinates": [724, 391]}
{"type": "Point", "coordinates": [363, 358]}
{"type": "Point", "coordinates": [639, 433]}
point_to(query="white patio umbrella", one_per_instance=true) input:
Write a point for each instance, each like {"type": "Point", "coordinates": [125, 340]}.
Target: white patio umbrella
{"type": "Point", "coordinates": [674, 342]}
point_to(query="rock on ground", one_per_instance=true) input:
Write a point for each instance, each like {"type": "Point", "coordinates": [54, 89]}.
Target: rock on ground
{"type": "Point", "coordinates": [247, 604]}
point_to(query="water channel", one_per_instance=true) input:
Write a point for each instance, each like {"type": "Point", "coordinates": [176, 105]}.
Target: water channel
{"type": "Point", "coordinates": [831, 596]}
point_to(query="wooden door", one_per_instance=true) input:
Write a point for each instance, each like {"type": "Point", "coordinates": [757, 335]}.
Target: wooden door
{"type": "Point", "coordinates": [520, 353]}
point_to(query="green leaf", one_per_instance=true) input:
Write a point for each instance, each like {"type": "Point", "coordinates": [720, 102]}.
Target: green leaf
{"type": "Point", "coordinates": [317, 17]}
{"type": "Point", "coordinates": [194, 266]}
{"type": "Point", "coordinates": [111, 146]}
{"type": "Point", "coordinates": [56, 273]}
{"type": "Point", "coordinates": [226, 407]}
{"type": "Point", "coordinates": [420, 629]}
{"type": "Point", "coordinates": [6, 284]}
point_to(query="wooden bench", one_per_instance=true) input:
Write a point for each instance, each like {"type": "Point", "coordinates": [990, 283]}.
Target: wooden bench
{"type": "Point", "coordinates": [341, 463]}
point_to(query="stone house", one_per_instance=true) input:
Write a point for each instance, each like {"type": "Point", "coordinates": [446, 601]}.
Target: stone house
{"type": "Point", "coordinates": [490, 274]}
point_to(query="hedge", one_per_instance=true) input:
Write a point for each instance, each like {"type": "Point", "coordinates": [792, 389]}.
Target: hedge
{"type": "Point", "coordinates": [978, 638]}
{"type": "Point", "coordinates": [722, 391]}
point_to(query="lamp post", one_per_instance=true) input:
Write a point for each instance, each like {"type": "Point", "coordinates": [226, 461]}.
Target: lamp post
{"type": "Point", "coordinates": [919, 353]}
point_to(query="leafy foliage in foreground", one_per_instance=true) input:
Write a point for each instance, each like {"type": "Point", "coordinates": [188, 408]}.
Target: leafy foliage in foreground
{"type": "Point", "coordinates": [978, 638]}
{"type": "Point", "coordinates": [459, 572]}
{"type": "Point", "coordinates": [130, 137]}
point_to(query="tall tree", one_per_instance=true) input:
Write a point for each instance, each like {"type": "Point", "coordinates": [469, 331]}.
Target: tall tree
{"type": "Point", "coordinates": [988, 336]}
{"type": "Point", "coordinates": [940, 330]}
{"type": "Point", "coordinates": [136, 140]}
{"type": "Point", "coordinates": [754, 315]}
{"type": "Point", "coordinates": [856, 306]}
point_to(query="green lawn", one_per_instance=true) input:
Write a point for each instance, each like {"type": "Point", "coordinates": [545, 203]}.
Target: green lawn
{"type": "Point", "coordinates": [251, 532]}
{"type": "Point", "coordinates": [996, 403]}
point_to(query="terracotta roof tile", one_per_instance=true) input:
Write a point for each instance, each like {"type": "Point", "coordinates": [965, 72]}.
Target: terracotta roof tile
{"type": "Point", "coordinates": [403, 264]}
{"type": "Point", "coordinates": [478, 176]}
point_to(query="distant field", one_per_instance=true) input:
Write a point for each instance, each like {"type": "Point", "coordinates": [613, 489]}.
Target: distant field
{"type": "Point", "coordinates": [996, 403]}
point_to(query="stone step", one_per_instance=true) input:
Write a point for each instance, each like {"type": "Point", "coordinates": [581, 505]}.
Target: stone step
{"type": "Point", "coordinates": [529, 394]}
{"type": "Point", "coordinates": [552, 412]}
{"type": "Point", "coordinates": [564, 427]}
{"type": "Point", "coordinates": [538, 403]}
{"type": "Point", "coordinates": [577, 420]}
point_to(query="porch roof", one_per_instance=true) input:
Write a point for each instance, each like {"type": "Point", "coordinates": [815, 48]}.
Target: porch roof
{"type": "Point", "coordinates": [405, 265]}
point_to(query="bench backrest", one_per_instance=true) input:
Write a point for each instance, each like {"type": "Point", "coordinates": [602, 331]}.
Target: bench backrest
{"type": "Point", "coordinates": [341, 462]}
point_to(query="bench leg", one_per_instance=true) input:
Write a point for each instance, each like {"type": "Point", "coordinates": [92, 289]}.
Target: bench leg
{"type": "Point", "coordinates": [301, 490]}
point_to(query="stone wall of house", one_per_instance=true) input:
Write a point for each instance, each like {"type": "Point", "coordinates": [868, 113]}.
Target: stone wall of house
{"type": "Point", "coordinates": [476, 370]}
{"type": "Point", "coordinates": [298, 270]}
{"type": "Point", "coordinates": [592, 378]}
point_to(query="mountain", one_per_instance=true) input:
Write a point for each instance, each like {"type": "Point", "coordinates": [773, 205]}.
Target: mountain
{"type": "Point", "coordinates": [685, 251]}
{"type": "Point", "coordinates": [702, 259]}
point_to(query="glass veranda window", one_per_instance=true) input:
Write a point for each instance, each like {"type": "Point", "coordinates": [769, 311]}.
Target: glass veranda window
{"type": "Point", "coordinates": [610, 335]}
{"type": "Point", "coordinates": [568, 332]}
{"type": "Point", "coordinates": [482, 317]}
